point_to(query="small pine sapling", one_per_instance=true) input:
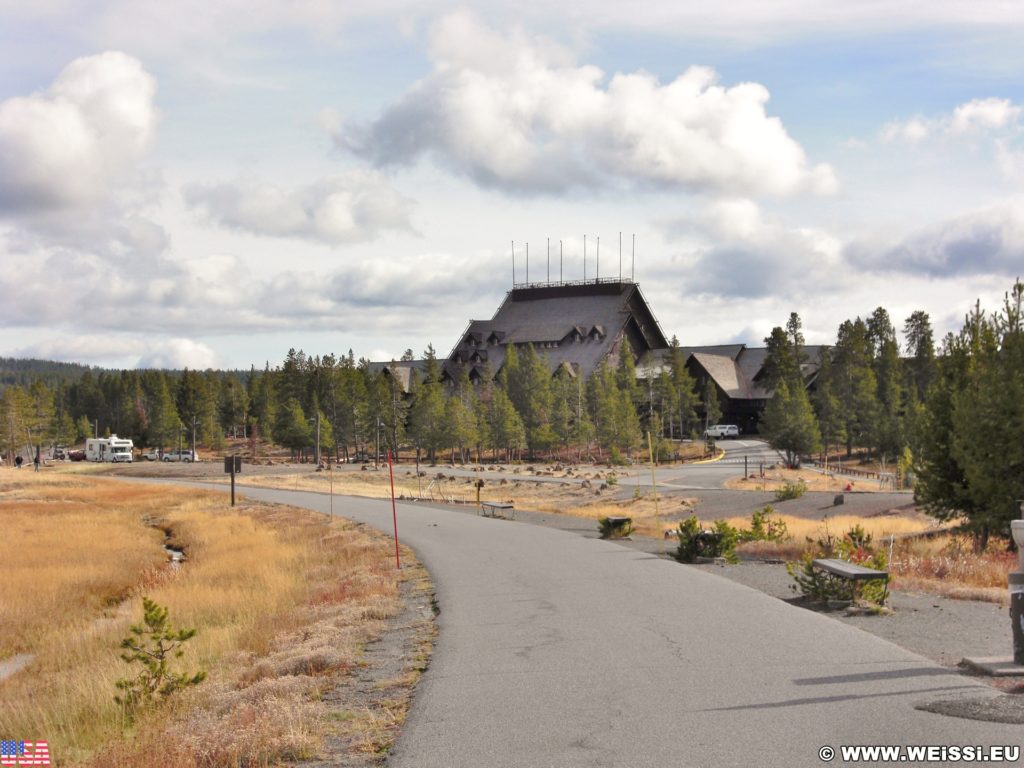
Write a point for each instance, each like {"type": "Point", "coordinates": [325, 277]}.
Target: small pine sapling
{"type": "Point", "coordinates": [153, 644]}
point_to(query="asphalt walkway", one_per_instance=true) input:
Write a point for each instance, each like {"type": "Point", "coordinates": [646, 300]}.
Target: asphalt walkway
{"type": "Point", "coordinates": [558, 650]}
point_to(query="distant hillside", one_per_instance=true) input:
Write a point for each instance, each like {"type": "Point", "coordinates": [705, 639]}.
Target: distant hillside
{"type": "Point", "coordinates": [24, 371]}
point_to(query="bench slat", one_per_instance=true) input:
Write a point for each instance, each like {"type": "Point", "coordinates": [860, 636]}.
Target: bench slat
{"type": "Point", "coordinates": [850, 570]}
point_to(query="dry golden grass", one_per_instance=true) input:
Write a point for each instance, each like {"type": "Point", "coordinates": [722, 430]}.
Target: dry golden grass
{"type": "Point", "coordinates": [89, 545]}
{"type": "Point", "coordinates": [774, 479]}
{"type": "Point", "coordinates": [282, 600]}
{"type": "Point", "coordinates": [804, 533]}
{"type": "Point", "coordinates": [948, 566]}
{"type": "Point", "coordinates": [650, 517]}
{"type": "Point", "coordinates": [438, 485]}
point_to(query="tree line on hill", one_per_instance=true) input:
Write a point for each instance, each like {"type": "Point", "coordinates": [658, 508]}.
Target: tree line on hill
{"type": "Point", "coordinates": [952, 419]}
{"type": "Point", "coordinates": [340, 404]}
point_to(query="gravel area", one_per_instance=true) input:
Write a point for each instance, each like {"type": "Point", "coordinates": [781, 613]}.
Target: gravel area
{"type": "Point", "coordinates": [939, 628]}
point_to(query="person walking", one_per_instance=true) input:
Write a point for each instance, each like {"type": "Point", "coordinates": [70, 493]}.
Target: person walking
{"type": "Point", "coordinates": [35, 461]}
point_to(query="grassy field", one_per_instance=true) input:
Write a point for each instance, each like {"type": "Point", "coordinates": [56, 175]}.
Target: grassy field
{"type": "Point", "coordinates": [775, 478]}
{"type": "Point", "coordinates": [283, 600]}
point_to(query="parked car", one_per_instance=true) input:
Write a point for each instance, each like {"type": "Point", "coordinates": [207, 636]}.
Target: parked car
{"type": "Point", "coordinates": [186, 456]}
{"type": "Point", "coordinates": [151, 456]}
{"type": "Point", "coordinates": [722, 431]}
{"type": "Point", "coordinates": [60, 453]}
{"type": "Point", "coordinates": [358, 457]}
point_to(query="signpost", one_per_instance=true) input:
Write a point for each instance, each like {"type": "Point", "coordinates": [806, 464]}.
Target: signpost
{"type": "Point", "coordinates": [394, 511]}
{"type": "Point", "coordinates": [232, 466]}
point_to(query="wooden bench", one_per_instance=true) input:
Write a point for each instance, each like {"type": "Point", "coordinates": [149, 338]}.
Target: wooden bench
{"type": "Point", "coordinates": [497, 509]}
{"type": "Point", "coordinates": [858, 574]}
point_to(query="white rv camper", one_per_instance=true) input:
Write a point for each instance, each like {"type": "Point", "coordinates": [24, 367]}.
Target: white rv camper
{"type": "Point", "coordinates": [111, 448]}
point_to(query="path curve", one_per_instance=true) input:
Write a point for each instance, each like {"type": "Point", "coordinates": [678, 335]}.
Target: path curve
{"type": "Point", "coordinates": [560, 650]}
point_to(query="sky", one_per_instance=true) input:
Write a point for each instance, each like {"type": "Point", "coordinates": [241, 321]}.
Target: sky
{"type": "Point", "coordinates": [209, 184]}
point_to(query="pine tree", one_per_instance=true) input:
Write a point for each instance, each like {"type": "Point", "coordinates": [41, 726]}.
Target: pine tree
{"type": "Point", "coordinates": [506, 427]}
{"type": "Point", "coordinates": [988, 418]}
{"type": "Point", "coordinates": [855, 382]}
{"type": "Point", "coordinates": [164, 422]}
{"type": "Point", "coordinates": [15, 406]}
{"type": "Point", "coordinates": [527, 381]}
{"type": "Point", "coordinates": [426, 412]}
{"type": "Point", "coordinates": [712, 410]}
{"type": "Point", "coordinates": [686, 391]}
{"type": "Point", "coordinates": [827, 406]}
{"type": "Point", "coordinates": [789, 424]}
{"type": "Point", "coordinates": [263, 402]}
{"type": "Point", "coordinates": [920, 341]}
{"type": "Point", "coordinates": [39, 414]}
{"type": "Point", "coordinates": [292, 429]}
{"type": "Point", "coordinates": [231, 405]}
{"type": "Point", "coordinates": [781, 360]}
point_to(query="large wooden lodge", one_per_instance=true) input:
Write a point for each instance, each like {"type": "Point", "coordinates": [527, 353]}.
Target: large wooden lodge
{"type": "Point", "coordinates": [577, 325]}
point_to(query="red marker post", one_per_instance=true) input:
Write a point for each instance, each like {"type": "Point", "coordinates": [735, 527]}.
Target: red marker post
{"type": "Point", "coordinates": [394, 511]}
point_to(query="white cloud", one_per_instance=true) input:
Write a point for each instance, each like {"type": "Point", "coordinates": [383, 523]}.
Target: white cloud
{"type": "Point", "coordinates": [177, 353]}
{"type": "Point", "coordinates": [68, 145]}
{"type": "Point", "coordinates": [988, 241]}
{"type": "Point", "coordinates": [914, 130]}
{"type": "Point", "coordinates": [731, 249]}
{"type": "Point", "coordinates": [347, 208]}
{"type": "Point", "coordinates": [125, 350]}
{"type": "Point", "coordinates": [983, 115]}
{"type": "Point", "coordinates": [518, 114]}
{"type": "Point", "coordinates": [975, 117]}
{"type": "Point", "coordinates": [76, 291]}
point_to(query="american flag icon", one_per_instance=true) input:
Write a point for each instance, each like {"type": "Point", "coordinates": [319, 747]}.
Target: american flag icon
{"type": "Point", "coordinates": [19, 753]}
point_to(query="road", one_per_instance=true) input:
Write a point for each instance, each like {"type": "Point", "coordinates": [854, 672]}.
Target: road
{"type": "Point", "coordinates": [560, 650]}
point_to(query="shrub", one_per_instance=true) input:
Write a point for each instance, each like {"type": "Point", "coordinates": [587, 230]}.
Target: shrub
{"type": "Point", "coordinates": [694, 542]}
{"type": "Point", "coordinates": [791, 490]}
{"type": "Point", "coordinates": [153, 644]}
{"type": "Point", "coordinates": [616, 459]}
{"type": "Point", "coordinates": [615, 528]}
{"type": "Point", "coordinates": [765, 527]}
{"type": "Point", "coordinates": [855, 547]}
{"type": "Point", "coordinates": [612, 480]}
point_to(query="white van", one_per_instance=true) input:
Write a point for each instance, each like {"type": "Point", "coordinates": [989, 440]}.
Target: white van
{"type": "Point", "coordinates": [183, 455]}
{"type": "Point", "coordinates": [722, 431]}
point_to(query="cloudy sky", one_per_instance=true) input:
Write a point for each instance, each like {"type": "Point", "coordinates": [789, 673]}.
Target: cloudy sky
{"type": "Point", "coordinates": [210, 183]}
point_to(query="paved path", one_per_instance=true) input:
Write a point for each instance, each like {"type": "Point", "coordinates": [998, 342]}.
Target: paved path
{"type": "Point", "coordinates": [557, 650]}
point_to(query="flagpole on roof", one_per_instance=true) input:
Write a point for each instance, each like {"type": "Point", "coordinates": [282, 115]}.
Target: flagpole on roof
{"type": "Point", "coordinates": [560, 278]}
{"type": "Point", "coordinates": [620, 257]}
{"type": "Point", "coordinates": [513, 263]}
{"type": "Point", "coordinates": [527, 263]}
{"type": "Point", "coordinates": [549, 259]}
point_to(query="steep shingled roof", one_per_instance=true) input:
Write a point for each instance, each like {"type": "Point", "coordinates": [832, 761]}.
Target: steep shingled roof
{"type": "Point", "coordinates": [575, 325]}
